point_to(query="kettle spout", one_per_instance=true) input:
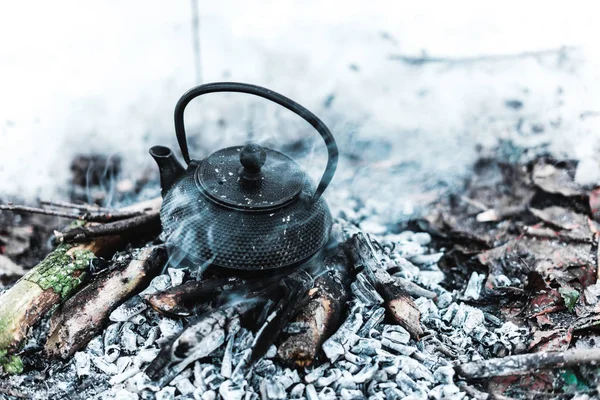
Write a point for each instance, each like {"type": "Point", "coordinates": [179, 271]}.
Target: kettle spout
{"type": "Point", "coordinates": [170, 168]}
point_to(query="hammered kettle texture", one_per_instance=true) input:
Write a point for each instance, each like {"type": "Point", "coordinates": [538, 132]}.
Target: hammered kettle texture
{"type": "Point", "coordinates": [204, 230]}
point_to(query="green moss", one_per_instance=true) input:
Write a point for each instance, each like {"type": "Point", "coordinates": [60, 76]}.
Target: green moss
{"type": "Point", "coordinates": [10, 364]}
{"type": "Point", "coordinates": [56, 271]}
{"type": "Point", "coordinates": [570, 296]}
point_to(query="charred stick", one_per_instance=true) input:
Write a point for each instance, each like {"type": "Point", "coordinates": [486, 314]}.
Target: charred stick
{"type": "Point", "coordinates": [321, 315]}
{"type": "Point", "coordinates": [180, 300]}
{"type": "Point", "coordinates": [197, 341]}
{"type": "Point", "coordinates": [527, 363]}
{"type": "Point", "coordinates": [399, 305]}
{"type": "Point", "coordinates": [74, 206]}
{"type": "Point", "coordinates": [89, 216]}
{"type": "Point", "coordinates": [412, 288]}
{"type": "Point", "coordinates": [295, 287]}
{"type": "Point", "coordinates": [149, 222]}
{"type": "Point", "coordinates": [82, 316]}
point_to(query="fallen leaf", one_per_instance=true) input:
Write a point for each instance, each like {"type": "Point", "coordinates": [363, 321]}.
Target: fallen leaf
{"type": "Point", "coordinates": [555, 180]}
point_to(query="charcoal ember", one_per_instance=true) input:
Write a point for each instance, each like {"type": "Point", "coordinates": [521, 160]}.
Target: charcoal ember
{"type": "Point", "coordinates": [366, 373]}
{"type": "Point", "coordinates": [122, 363]}
{"type": "Point", "coordinates": [474, 286]}
{"type": "Point", "coordinates": [166, 393]}
{"type": "Point", "coordinates": [426, 259]}
{"type": "Point", "coordinates": [444, 375]}
{"type": "Point", "coordinates": [328, 378]}
{"type": "Point", "coordinates": [82, 363]}
{"type": "Point", "coordinates": [158, 284]}
{"type": "Point", "coordinates": [297, 391]}
{"type": "Point", "coordinates": [169, 328]}
{"type": "Point", "coordinates": [153, 334]}
{"type": "Point", "coordinates": [345, 337]}
{"type": "Point", "coordinates": [316, 373]}
{"type": "Point", "coordinates": [107, 367]}
{"type": "Point", "coordinates": [407, 384]}
{"type": "Point", "coordinates": [311, 392]}
{"type": "Point", "coordinates": [296, 327]}
{"type": "Point", "coordinates": [231, 390]}
{"type": "Point", "coordinates": [408, 249]}
{"type": "Point", "coordinates": [124, 375]}
{"type": "Point", "coordinates": [265, 367]}
{"type": "Point", "coordinates": [327, 393]}
{"type": "Point", "coordinates": [376, 316]}
{"type": "Point", "coordinates": [128, 309]}
{"type": "Point", "coordinates": [365, 292]}
{"type": "Point", "coordinates": [398, 347]}
{"type": "Point", "coordinates": [445, 392]}
{"type": "Point", "coordinates": [348, 366]}
{"type": "Point", "coordinates": [367, 347]}
{"type": "Point", "coordinates": [96, 346]}
{"type": "Point", "coordinates": [357, 359]}
{"type": "Point", "coordinates": [427, 308]}
{"type": "Point", "coordinates": [345, 381]}
{"type": "Point", "coordinates": [395, 333]}
{"type": "Point", "coordinates": [205, 395]}
{"type": "Point", "coordinates": [128, 338]}
{"type": "Point", "coordinates": [272, 390]}
{"type": "Point", "coordinates": [176, 276]}
{"type": "Point", "coordinates": [351, 394]}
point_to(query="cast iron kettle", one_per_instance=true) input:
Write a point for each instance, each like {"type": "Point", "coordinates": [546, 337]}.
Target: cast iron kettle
{"type": "Point", "coordinates": [243, 207]}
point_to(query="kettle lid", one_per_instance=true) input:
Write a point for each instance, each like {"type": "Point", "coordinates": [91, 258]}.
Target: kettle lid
{"type": "Point", "coordinates": [250, 177]}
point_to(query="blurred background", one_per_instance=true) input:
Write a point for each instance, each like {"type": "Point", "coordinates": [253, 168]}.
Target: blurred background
{"type": "Point", "coordinates": [413, 91]}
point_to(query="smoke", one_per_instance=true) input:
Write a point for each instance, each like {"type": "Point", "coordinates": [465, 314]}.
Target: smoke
{"type": "Point", "coordinates": [405, 131]}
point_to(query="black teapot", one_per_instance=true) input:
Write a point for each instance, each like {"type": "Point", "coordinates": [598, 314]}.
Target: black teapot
{"type": "Point", "coordinates": [243, 207]}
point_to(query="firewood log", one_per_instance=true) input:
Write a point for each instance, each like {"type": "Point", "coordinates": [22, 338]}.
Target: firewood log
{"type": "Point", "coordinates": [81, 317]}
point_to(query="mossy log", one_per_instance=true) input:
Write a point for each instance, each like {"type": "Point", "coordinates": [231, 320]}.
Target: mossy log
{"type": "Point", "coordinates": [81, 317]}
{"type": "Point", "coordinates": [53, 280]}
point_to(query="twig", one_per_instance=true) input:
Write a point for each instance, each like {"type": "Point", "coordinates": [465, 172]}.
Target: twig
{"type": "Point", "coordinates": [34, 210]}
{"type": "Point", "coordinates": [100, 217]}
{"type": "Point", "coordinates": [526, 363]}
{"type": "Point", "coordinates": [424, 59]}
{"type": "Point", "coordinates": [82, 207]}
{"type": "Point", "coordinates": [86, 233]}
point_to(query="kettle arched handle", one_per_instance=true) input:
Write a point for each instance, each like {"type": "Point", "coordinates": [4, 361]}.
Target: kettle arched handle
{"type": "Point", "coordinates": [313, 120]}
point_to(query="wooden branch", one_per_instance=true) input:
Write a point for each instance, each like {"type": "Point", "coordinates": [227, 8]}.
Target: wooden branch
{"type": "Point", "coordinates": [321, 315]}
{"type": "Point", "coordinates": [528, 363]}
{"type": "Point", "coordinates": [90, 216]}
{"type": "Point", "coordinates": [148, 221]}
{"type": "Point", "coordinates": [401, 308]}
{"type": "Point", "coordinates": [53, 280]}
{"type": "Point", "coordinates": [81, 317]}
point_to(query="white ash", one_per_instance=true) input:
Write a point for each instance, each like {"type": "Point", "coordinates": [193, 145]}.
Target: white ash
{"type": "Point", "coordinates": [365, 358]}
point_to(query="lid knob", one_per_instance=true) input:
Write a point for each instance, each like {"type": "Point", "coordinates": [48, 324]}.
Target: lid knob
{"type": "Point", "coordinates": [253, 157]}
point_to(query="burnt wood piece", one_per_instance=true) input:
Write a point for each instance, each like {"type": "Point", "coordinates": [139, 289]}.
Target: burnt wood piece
{"type": "Point", "coordinates": [295, 288]}
{"type": "Point", "coordinates": [147, 222]}
{"type": "Point", "coordinates": [197, 341]}
{"type": "Point", "coordinates": [528, 363]}
{"type": "Point", "coordinates": [400, 307]}
{"type": "Point", "coordinates": [181, 300]}
{"type": "Point", "coordinates": [82, 316]}
{"type": "Point", "coordinates": [322, 314]}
